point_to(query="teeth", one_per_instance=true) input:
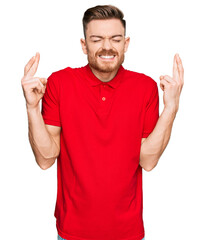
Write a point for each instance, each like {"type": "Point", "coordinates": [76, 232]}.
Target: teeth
{"type": "Point", "coordinates": [107, 56]}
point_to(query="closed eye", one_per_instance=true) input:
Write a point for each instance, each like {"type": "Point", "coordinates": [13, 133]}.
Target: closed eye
{"type": "Point", "coordinates": [96, 40]}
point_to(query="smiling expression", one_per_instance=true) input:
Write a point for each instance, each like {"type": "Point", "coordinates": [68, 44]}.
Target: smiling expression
{"type": "Point", "coordinates": [105, 44]}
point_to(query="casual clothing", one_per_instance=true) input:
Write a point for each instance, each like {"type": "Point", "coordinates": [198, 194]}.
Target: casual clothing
{"type": "Point", "coordinates": [99, 191]}
{"type": "Point", "coordinates": [60, 238]}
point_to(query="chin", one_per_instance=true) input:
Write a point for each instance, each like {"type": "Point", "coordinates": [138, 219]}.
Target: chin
{"type": "Point", "coordinates": [108, 68]}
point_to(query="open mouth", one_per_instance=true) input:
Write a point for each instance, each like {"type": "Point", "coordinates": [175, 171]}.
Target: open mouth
{"type": "Point", "coordinates": [107, 57]}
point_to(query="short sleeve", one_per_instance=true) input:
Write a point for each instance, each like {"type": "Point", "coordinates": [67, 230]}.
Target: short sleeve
{"type": "Point", "coordinates": [152, 112]}
{"type": "Point", "coordinates": [50, 102]}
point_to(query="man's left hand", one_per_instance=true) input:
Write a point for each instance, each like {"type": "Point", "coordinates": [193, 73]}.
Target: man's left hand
{"type": "Point", "coordinates": [172, 86]}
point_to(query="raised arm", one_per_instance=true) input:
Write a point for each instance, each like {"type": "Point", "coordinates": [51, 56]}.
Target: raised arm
{"type": "Point", "coordinates": [44, 139]}
{"type": "Point", "coordinates": [153, 146]}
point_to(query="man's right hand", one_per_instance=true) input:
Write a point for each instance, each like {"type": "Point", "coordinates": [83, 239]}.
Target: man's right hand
{"type": "Point", "coordinates": [33, 87]}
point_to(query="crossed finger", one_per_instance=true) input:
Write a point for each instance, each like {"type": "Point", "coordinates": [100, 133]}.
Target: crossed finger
{"type": "Point", "coordinates": [178, 70]}
{"type": "Point", "coordinates": [31, 67]}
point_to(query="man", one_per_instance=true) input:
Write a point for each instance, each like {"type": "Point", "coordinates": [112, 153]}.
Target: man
{"type": "Point", "coordinates": [102, 123]}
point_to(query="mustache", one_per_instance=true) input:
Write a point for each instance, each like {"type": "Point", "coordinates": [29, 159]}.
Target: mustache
{"type": "Point", "coordinates": [107, 52]}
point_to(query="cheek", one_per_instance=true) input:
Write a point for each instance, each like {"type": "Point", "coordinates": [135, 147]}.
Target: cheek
{"type": "Point", "coordinates": [120, 50]}
{"type": "Point", "coordinates": [92, 52]}
{"type": "Point", "coordinates": [93, 48]}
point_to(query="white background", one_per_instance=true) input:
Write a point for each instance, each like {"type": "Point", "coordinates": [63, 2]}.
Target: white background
{"type": "Point", "coordinates": [174, 191]}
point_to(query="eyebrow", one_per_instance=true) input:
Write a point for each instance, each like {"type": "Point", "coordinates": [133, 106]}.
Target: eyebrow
{"type": "Point", "coordinates": [97, 36]}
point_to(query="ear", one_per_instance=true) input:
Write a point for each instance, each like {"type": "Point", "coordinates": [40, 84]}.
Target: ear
{"type": "Point", "coordinates": [83, 44]}
{"type": "Point", "coordinates": [127, 41]}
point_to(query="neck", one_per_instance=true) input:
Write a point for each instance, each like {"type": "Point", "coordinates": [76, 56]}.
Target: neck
{"type": "Point", "coordinates": [104, 76]}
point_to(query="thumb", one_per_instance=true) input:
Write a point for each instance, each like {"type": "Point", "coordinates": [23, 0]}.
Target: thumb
{"type": "Point", "coordinates": [43, 80]}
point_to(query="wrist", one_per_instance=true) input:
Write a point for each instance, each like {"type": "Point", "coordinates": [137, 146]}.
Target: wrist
{"type": "Point", "coordinates": [171, 109]}
{"type": "Point", "coordinates": [32, 108]}
{"type": "Point", "coordinates": [170, 112]}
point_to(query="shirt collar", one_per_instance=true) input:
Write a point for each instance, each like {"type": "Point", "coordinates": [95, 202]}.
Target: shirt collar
{"type": "Point", "coordinates": [94, 81]}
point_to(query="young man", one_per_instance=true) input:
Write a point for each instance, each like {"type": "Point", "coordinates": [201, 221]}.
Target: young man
{"type": "Point", "coordinates": [102, 123]}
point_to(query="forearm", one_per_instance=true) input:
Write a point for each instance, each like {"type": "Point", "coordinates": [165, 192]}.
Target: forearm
{"type": "Point", "coordinates": [154, 145]}
{"type": "Point", "coordinates": [42, 143]}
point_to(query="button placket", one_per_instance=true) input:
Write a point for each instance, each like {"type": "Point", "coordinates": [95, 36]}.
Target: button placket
{"type": "Point", "coordinates": [105, 99]}
{"type": "Point", "coordinates": [104, 92]}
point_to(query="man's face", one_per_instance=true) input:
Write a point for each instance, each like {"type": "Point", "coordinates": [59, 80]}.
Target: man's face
{"type": "Point", "coordinates": [105, 44]}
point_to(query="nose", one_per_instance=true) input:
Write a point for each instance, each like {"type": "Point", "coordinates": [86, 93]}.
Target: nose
{"type": "Point", "coordinates": [107, 44]}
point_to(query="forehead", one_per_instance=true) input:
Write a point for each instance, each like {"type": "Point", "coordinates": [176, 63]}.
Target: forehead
{"type": "Point", "coordinates": [106, 27]}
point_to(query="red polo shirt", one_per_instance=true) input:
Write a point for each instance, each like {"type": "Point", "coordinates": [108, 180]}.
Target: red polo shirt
{"type": "Point", "coordinates": [99, 193]}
